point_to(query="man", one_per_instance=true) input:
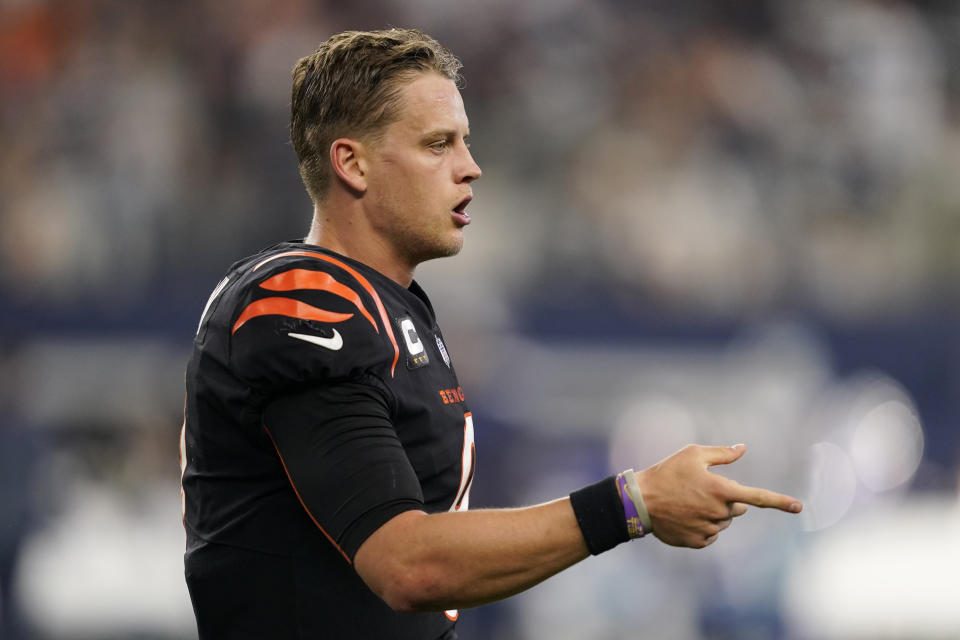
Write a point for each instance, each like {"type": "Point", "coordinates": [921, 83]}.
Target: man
{"type": "Point", "coordinates": [327, 452]}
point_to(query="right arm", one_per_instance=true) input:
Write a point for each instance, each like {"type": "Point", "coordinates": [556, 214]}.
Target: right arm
{"type": "Point", "coordinates": [421, 562]}
{"type": "Point", "coordinates": [341, 453]}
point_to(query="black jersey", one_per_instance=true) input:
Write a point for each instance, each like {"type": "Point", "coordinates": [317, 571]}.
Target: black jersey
{"type": "Point", "coordinates": [321, 402]}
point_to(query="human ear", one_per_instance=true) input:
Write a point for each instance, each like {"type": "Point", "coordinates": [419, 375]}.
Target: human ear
{"type": "Point", "coordinates": [346, 158]}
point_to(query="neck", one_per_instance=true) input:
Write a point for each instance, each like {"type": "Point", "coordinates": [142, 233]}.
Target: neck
{"type": "Point", "coordinates": [351, 236]}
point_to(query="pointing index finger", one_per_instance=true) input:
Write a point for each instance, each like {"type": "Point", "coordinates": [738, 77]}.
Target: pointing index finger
{"type": "Point", "coordinates": [765, 499]}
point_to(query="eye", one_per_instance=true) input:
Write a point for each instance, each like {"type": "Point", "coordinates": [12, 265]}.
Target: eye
{"type": "Point", "coordinates": [438, 146]}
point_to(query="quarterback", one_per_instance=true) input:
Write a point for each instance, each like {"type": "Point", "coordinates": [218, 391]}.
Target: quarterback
{"type": "Point", "coordinates": [327, 453]}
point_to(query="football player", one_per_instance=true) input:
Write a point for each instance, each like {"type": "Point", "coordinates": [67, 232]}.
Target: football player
{"type": "Point", "coordinates": [327, 452]}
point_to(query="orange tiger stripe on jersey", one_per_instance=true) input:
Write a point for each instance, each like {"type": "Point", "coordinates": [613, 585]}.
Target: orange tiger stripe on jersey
{"type": "Point", "coordinates": [320, 281]}
{"type": "Point", "coordinates": [363, 282]}
{"type": "Point", "coordinates": [287, 307]}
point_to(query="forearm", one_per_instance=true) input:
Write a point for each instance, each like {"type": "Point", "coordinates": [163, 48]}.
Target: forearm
{"type": "Point", "coordinates": [450, 560]}
{"type": "Point", "coordinates": [420, 562]}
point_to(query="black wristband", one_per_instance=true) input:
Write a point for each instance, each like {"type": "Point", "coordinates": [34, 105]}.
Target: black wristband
{"type": "Point", "coordinates": [600, 515]}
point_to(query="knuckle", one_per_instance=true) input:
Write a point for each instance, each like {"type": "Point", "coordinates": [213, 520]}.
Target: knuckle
{"type": "Point", "coordinates": [719, 513]}
{"type": "Point", "coordinates": [719, 487]}
{"type": "Point", "coordinates": [761, 498]}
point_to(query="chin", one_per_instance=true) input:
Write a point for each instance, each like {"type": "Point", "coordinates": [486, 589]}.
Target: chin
{"type": "Point", "coordinates": [456, 244]}
{"type": "Point", "coordinates": [443, 249]}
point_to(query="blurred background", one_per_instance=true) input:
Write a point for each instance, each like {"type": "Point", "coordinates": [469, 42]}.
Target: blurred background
{"type": "Point", "coordinates": [700, 221]}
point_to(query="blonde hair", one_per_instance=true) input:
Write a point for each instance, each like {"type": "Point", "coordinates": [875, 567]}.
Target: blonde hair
{"type": "Point", "coordinates": [350, 87]}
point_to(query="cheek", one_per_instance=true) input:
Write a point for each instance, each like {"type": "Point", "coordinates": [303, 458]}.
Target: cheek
{"type": "Point", "coordinates": [417, 191]}
{"type": "Point", "coordinates": [407, 188]}
{"type": "Point", "coordinates": [390, 189]}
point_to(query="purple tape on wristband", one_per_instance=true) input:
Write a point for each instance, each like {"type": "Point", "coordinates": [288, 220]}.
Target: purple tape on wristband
{"type": "Point", "coordinates": [634, 526]}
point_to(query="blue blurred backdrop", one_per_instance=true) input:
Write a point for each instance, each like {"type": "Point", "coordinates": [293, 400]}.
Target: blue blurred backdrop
{"type": "Point", "coordinates": [701, 221]}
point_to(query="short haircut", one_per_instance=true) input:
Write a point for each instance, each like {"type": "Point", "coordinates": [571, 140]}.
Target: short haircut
{"type": "Point", "coordinates": [350, 87]}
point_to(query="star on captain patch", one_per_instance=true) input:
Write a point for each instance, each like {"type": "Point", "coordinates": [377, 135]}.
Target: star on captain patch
{"type": "Point", "coordinates": [443, 351]}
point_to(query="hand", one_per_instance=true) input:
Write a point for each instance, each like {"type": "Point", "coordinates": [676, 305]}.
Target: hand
{"type": "Point", "coordinates": [689, 506]}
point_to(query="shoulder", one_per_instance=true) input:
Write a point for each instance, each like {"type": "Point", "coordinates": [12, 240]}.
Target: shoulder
{"type": "Point", "coordinates": [298, 316]}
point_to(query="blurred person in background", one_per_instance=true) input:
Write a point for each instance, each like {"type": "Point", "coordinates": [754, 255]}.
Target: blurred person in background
{"type": "Point", "coordinates": [327, 452]}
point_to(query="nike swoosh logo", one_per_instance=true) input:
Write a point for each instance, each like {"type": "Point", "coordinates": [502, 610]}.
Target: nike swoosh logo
{"type": "Point", "coordinates": [333, 343]}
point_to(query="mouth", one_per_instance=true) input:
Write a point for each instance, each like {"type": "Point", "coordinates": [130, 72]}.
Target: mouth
{"type": "Point", "coordinates": [462, 205]}
{"type": "Point", "coordinates": [459, 212]}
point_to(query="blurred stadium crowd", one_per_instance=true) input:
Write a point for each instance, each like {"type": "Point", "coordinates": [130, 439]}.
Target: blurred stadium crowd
{"type": "Point", "coordinates": [699, 221]}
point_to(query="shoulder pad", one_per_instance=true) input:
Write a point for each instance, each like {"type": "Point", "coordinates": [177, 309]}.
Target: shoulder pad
{"type": "Point", "coordinates": [303, 318]}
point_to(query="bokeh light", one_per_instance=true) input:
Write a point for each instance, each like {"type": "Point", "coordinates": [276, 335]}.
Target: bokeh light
{"type": "Point", "coordinates": [887, 446]}
{"type": "Point", "coordinates": [832, 486]}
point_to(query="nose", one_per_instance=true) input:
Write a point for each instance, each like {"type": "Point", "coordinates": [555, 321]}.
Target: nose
{"type": "Point", "coordinates": [471, 170]}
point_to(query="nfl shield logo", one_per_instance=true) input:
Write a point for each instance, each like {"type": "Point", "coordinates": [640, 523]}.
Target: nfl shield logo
{"type": "Point", "coordinates": [443, 351]}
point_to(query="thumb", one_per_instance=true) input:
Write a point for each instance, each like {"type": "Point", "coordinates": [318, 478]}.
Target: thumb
{"type": "Point", "coordinates": [723, 455]}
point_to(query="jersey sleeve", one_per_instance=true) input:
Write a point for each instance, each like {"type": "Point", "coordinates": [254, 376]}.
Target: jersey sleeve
{"type": "Point", "coordinates": [343, 459]}
{"type": "Point", "coordinates": [300, 322]}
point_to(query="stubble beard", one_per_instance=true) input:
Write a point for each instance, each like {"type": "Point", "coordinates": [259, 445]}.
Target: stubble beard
{"type": "Point", "coordinates": [419, 250]}
{"type": "Point", "coordinates": [416, 242]}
